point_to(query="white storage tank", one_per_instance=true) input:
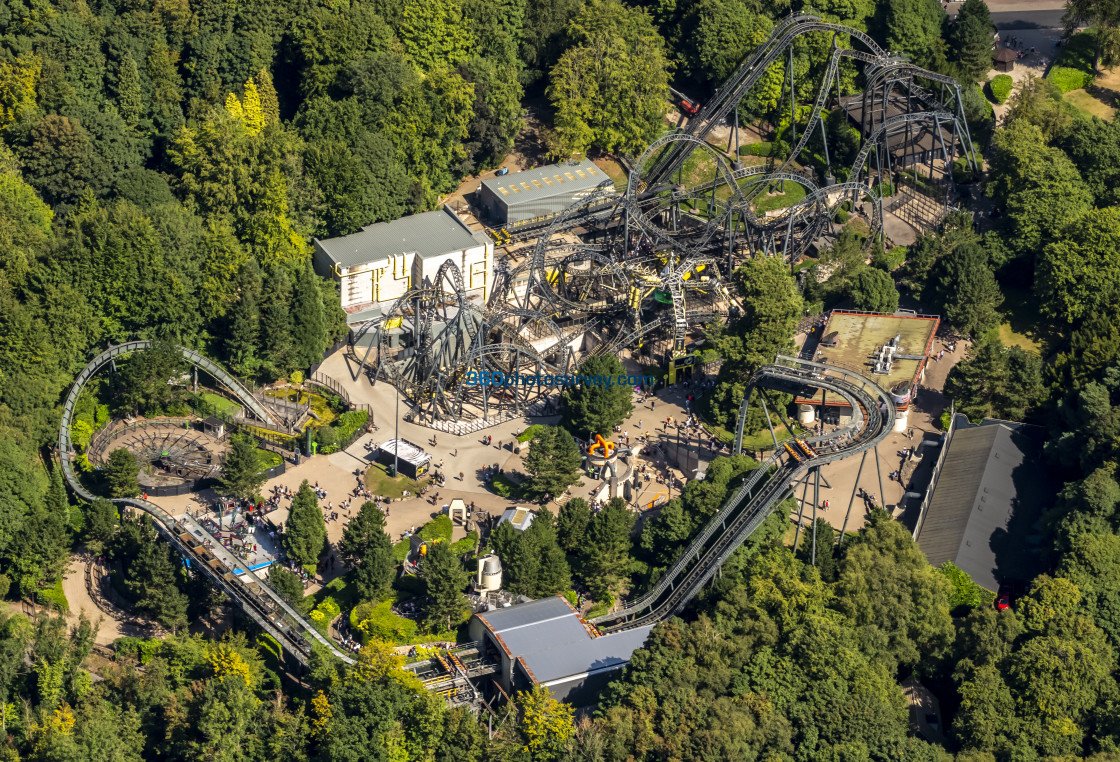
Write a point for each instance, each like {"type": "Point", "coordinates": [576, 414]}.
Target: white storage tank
{"type": "Point", "coordinates": [806, 414]}
{"type": "Point", "coordinates": [489, 577]}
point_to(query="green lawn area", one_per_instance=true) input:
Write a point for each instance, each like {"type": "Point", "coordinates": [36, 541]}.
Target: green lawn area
{"type": "Point", "coordinates": [379, 482]}
{"type": "Point", "coordinates": [218, 402]}
{"type": "Point", "coordinates": [793, 193]}
{"type": "Point", "coordinates": [1089, 104]}
{"type": "Point", "coordinates": [1020, 326]}
{"type": "Point", "coordinates": [760, 440]}
{"type": "Point", "coordinates": [614, 171]}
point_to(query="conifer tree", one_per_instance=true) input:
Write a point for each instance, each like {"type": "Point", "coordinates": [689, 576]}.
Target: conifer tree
{"type": "Point", "coordinates": [243, 334]}
{"type": "Point", "coordinates": [270, 104]}
{"type": "Point", "coordinates": [241, 472]}
{"type": "Point", "coordinates": [305, 533]}
{"type": "Point", "coordinates": [553, 574]}
{"type": "Point", "coordinates": [366, 546]}
{"type": "Point", "coordinates": [276, 347]}
{"type": "Point", "coordinates": [251, 105]}
{"type": "Point", "coordinates": [445, 581]}
{"type": "Point", "coordinates": [129, 101]}
{"type": "Point", "coordinates": [309, 330]}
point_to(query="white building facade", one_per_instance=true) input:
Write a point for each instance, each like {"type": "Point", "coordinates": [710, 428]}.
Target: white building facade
{"type": "Point", "coordinates": [380, 263]}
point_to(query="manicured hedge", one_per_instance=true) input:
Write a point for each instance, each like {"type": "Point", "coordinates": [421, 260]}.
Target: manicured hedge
{"type": "Point", "coordinates": [1069, 79]}
{"type": "Point", "coordinates": [1000, 87]}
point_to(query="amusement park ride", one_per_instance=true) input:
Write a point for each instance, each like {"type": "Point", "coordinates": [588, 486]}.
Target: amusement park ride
{"type": "Point", "coordinates": [639, 269]}
{"type": "Point", "coordinates": [633, 270]}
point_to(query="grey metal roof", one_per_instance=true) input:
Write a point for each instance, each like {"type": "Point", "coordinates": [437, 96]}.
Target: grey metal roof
{"type": "Point", "coordinates": [991, 489]}
{"type": "Point", "coordinates": [543, 182]}
{"type": "Point", "coordinates": [429, 234]}
{"type": "Point", "coordinates": [553, 642]}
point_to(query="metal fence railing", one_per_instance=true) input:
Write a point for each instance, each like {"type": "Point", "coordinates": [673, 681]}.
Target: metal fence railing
{"type": "Point", "coordinates": [928, 497]}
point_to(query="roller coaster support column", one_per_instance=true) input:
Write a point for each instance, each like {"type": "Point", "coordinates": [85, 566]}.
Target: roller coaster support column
{"type": "Point", "coordinates": [855, 488]}
{"type": "Point", "coordinates": [827, 161]}
{"type": "Point", "coordinates": [800, 510]}
{"type": "Point", "coordinates": [816, 502]}
{"type": "Point", "coordinates": [879, 470]}
{"type": "Point", "coordinates": [766, 412]}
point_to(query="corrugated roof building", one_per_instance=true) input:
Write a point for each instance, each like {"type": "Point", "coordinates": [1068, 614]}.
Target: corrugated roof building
{"type": "Point", "coordinates": [537, 193]}
{"type": "Point", "coordinates": [990, 492]}
{"type": "Point", "coordinates": [546, 643]}
{"type": "Point", "coordinates": [381, 262]}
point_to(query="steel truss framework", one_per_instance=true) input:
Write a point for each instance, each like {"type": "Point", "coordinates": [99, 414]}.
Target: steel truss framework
{"type": "Point", "coordinates": [615, 270]}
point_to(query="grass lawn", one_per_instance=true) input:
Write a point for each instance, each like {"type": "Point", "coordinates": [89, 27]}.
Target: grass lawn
{"type": "Point", "coordinates": [1020, 326]}
{"type": "Point", "coordinates": [765, 202]}
{"type": "Point", "coordinates": [218, 402]}
{"type": "Point", "coordinates": [1093, 104]}
{"type": "Point", "coordinates": [614, 171]}
{"type": "Point", "coordinates": [859, 225]}
{"type": "Point", "coordinates": [379, 482]}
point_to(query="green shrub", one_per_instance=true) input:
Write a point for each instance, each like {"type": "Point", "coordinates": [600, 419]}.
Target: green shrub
{"type": "Point", "coordinates": [765, 148]}
{"type": "Point", "coordinates": [841, 217]}
{"type": "Point", "coordinates": [53, 597]}
{"type": "Point", "coordinates": [437, 530]}
{"type": "Point", "coordinates": [945, 421]}
{"type": "Point", "coordinates": [400, 551]}
{"type": "Point", "coordinates": [529, 433]}
{"type": "Point", "coordinates": [1069, 79]}
{"type": "Point", "coordinates": [350, 422]}
{"type": "Point", "coordinates": [326, 436]}
{"type": "Point", "coordinates": [127, 647]}
{"type": "Point", "coordinates": [504, 487]}
{"type": "Point", "coordinates": [465, 545]}
{"type": "Point", "coordinates": [378, 622]}
{"type": "Point", "coordinates": [323, 614]}
{"type": "Point", "coordinates": [889, 261]}
{"type": "Point", "coordinates": [268, 459]}
{"type": "Point", "coordinates": [884, 189]}
{"type": "Point", "coordinates": [962, 173]}
{"type": "Point", "coordinates": [963, 591]}
{"type": "Point", "coordinates": [1000, 87]}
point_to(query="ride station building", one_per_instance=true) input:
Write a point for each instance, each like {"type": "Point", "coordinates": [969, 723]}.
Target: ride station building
{"type": "Point", "coordinates": [891, 350]}
{"type": "Point", "coordinates": [380, 263]}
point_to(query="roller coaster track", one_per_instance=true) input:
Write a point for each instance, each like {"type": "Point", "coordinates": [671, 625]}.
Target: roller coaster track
{"type": "Point", "coordinates": [765, 487]}
{"type": "Point", "coordinates": [745, 78]}
{"type": "Point", "coordinates": [259, 601]}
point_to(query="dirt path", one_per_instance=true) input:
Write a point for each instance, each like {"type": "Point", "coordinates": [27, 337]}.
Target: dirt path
{"type": "Point", "coordinates": [113, 622]}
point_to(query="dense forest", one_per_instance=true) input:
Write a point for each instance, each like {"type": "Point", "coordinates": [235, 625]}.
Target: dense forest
{"type": "Point", "coordinates": [163, 167]}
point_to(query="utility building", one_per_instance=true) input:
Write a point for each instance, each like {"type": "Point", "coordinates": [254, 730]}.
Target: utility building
{"type": "Point", "coordinates": [546, 643]}
{"type": "Point", "coordinates": [536, 194]}
{"type": "Point", "coordinates": [380, 263]}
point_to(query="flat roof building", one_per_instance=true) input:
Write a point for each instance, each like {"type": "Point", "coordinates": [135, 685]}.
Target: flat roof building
{"type": "Point", "coordinates": [411, 459]}
{"type": "Point", "coordinates": [380, 263]}
{"type": "Point", "coordinates": [538, 193]}
{"type": "Point", "coordinates": [545, 643]}
{"type": "Point", "coordinates": [520, 518]}
{"type": "Point", "coordinates": [891, 350]}
{"type": "Point", "coordinates": [990, 490]}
